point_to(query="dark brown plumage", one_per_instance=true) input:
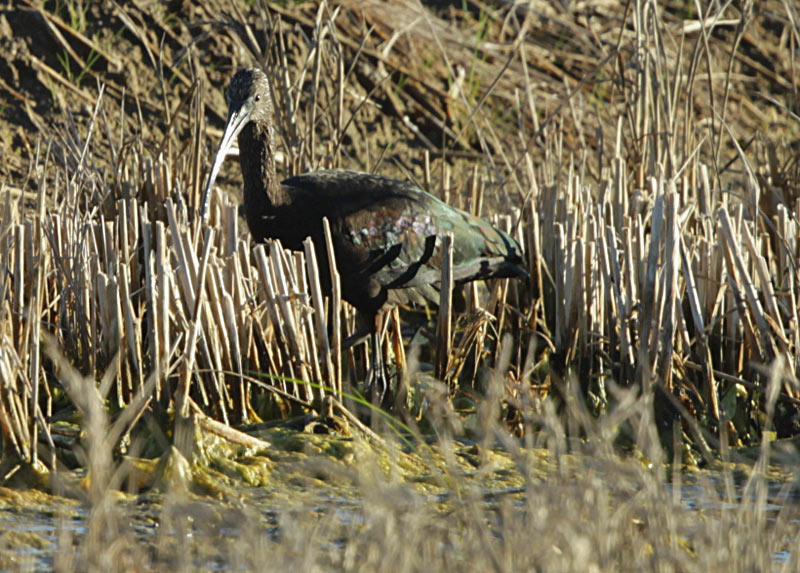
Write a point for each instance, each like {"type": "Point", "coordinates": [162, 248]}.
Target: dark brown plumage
{"type": "Point", "coordinates": [385, 231]}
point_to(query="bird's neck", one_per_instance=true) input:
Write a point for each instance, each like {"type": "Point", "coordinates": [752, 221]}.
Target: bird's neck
{"type": "Point", "coordinates": [262, 190]}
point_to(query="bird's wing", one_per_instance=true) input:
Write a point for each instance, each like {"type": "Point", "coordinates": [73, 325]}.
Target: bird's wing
{"type": "Point", "coordinates": [398, 228]}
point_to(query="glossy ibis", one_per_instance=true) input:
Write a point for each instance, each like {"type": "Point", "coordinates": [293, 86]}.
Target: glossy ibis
{"type": "Point", "coordinates": [385, 231]}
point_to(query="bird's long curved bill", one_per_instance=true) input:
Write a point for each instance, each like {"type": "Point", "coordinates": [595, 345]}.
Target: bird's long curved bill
{"type": "Point", "coordinates": [237, 118]}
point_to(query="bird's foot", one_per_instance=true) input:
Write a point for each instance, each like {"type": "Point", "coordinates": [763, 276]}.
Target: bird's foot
{"type": "Point", "coordinates": [377, 387]}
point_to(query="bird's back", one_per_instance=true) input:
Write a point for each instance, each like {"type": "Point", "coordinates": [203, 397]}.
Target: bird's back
{"type": "Point", "coordinates": [387, 235]}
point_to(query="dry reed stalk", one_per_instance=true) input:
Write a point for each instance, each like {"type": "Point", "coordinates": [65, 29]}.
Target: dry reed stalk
{"type": "Point", "coordinates": [220, 337]}
{"type": "Point", "coordinates": [472, 343]}
{"type": "Point", "coordinates": [319, 319]}
{"type": "Point", "coordinates": [619, 310]}
{"type": "Point", "coordinates": [668, 305]}
{"type": "Point", "coordinates": [225, 431]}
{"type": "Point", "coordinates": [444, 321]}
{"type": "Point", "coordinates": [182, 391]}
{"type": "Point", "coordinates": [161, 309]}
{"type": "Point", "coordinates": [401, 364]}
{"type": "Point", "coordinates": [231, 324]}
{"type": "Point", "coordinates": [266, 282]}
{"type": "Point", "coordinates": [112, 275]}
{"type": "Point", "coordinates": [335, 307]}
{"type": "Point", "coordinates": [426, 170]}
{"type": "Point", "coordinates": [283, 297]}
{"type": "Point", "coordinates": [710, 382]}
{"type": "Point", "coordinates": [739, 279]}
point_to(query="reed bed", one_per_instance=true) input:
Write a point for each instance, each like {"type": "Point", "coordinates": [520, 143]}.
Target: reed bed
{"type": "Point", "coordinates": [644, 155]}
{"type": "Point", "coordinates": [662, 247]}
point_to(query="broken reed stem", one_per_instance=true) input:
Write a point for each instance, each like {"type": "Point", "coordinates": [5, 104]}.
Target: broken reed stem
{"type": "Point", "coordinates": [319, 317]}
{"type": "Point", "coordinates": [182, 393]}
{"type": "Point", "coordinates": [336, 307]}
{"type": "Point", "coordinates": [444, 320]}
{"type": "Point", "coordinates": [224, 431]}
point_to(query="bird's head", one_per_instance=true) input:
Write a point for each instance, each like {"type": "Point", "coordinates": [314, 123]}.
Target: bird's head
{"type": "Point", "coordinates": [249, 99]}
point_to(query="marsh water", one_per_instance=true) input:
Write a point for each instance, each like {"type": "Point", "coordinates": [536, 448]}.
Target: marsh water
{"type": "Point", "coordinates": [331, 502]}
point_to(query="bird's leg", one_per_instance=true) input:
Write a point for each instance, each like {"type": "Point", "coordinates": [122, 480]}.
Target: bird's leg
{"type": "Point", "coordinates": [377, 382]}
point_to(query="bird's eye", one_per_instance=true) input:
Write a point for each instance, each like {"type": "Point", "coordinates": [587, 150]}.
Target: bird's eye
{"type": "Point", "coordinates": [258, 97]}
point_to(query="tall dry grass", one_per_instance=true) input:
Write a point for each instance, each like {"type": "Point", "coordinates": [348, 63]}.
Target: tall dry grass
{"type": "Point", "coordinates": [559, 500]}
{"type": "Point", "coordinates": [662, 240]}
{"type": "Point", "coordinates": [668, 259]}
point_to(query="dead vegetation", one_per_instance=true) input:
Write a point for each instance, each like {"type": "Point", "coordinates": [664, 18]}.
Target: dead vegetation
{"type": "Point", "coordinates": [646, 157]}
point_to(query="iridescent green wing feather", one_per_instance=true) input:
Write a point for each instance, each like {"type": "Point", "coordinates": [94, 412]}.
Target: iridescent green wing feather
{"type": "Point", "coordinates": [398, 227]}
